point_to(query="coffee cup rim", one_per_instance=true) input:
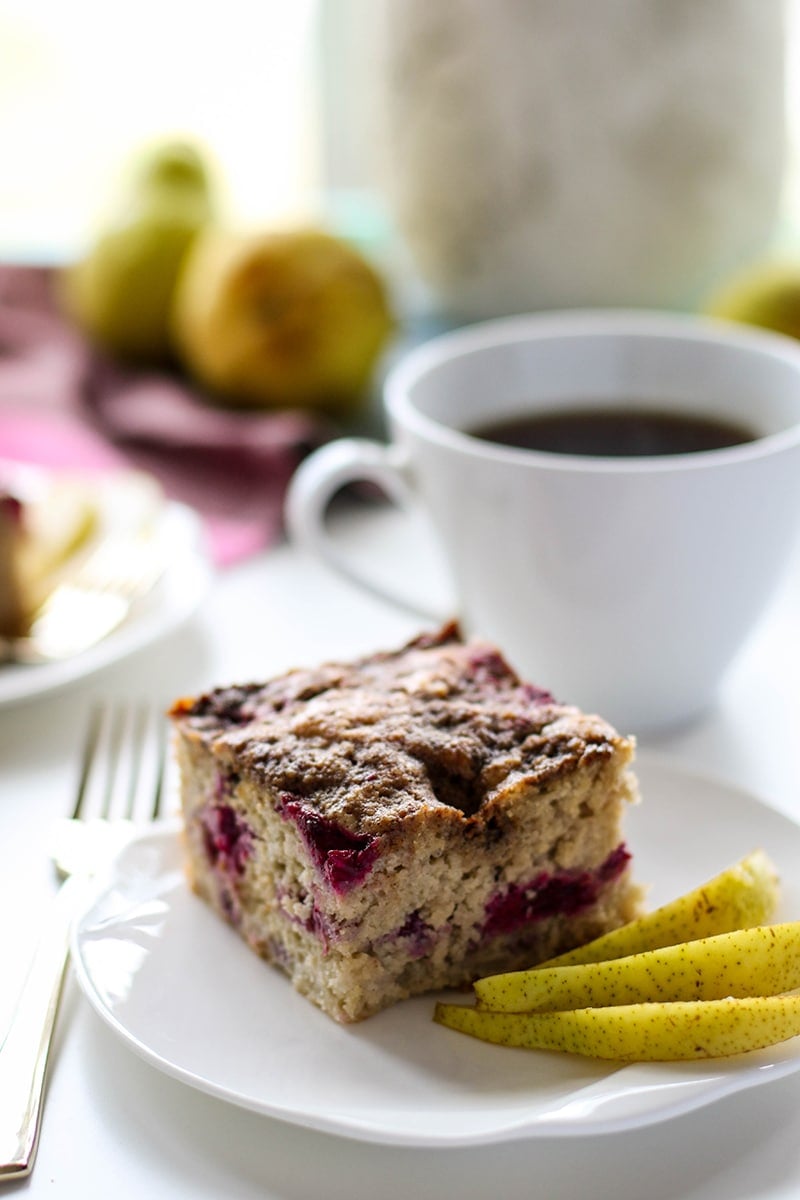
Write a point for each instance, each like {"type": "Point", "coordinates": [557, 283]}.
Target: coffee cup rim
{"type": "Point", "coordinates": [417, 362]}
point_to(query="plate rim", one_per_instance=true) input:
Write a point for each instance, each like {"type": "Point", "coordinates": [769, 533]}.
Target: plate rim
{"type": "Point", "coordinates": [553, 1124]}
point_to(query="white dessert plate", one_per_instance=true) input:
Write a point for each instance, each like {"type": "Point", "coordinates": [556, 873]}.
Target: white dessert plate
{"type": "Point", "coordinates": [184, 992]}
{"type": "Point", "coordinates": [173, 599]}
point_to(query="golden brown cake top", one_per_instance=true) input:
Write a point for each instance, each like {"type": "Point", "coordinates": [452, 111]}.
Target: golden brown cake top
{"type": "Point", "coordinates": [441, 721]}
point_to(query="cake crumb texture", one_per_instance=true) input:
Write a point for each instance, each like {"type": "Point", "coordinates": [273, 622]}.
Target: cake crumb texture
{"type": "Point", "coordinates": [406, 822]}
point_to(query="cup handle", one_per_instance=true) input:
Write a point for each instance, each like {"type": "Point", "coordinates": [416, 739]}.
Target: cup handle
{"type": "Point", "coordinates": [317, 480]}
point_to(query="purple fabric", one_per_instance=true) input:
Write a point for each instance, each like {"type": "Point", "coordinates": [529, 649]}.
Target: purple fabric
{"type": "Point", "coordinates": [65, 404]}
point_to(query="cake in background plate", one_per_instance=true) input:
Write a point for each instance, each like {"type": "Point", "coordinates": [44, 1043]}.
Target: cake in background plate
{"type": "Point", "coordinates": [51, 521]}
{"type": "Point", "coordinates": [45, 519]}
{"type": "Point", "coordinates": [406, 822]}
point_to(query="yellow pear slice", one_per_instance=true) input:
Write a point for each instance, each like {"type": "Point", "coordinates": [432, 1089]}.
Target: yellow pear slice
{"type": "Point", "coordinates": [638, 1032]}
{"type": "Point", "coordinates": [744, 894]}
{"type": "Point", "coordinates": [761, 961]}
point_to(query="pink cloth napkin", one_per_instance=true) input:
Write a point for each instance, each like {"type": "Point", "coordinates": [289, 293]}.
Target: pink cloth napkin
{"type": "Point", "coordinates": [64, 404]}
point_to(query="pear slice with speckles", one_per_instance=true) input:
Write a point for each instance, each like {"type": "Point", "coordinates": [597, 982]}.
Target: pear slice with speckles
{"type": "Point", "coordinates": [657, 1032]}
{"type": "Point", "coordinates": [744, 894]}
{"type": "Point", "coordinates": [762, 961]}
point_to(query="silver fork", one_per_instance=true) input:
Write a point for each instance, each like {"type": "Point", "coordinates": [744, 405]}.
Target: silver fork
{"type": "Point", "coordinates": [121, 786]}
{"type": "Point", "coordinates": [91, 601]}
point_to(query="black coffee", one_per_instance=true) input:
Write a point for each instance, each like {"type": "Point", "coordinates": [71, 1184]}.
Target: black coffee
{"type": "Point", "coordinates": [615, 432]}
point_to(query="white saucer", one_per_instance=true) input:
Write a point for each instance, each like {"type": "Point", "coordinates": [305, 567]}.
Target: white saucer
{"type": "Point", "coordinates": [184, 992]}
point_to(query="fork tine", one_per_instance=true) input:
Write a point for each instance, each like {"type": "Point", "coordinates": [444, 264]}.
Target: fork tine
{"type": "Point", "coordinates": [115, 775]}
{"type": "Point", "coordinates": [123, 765]}
{"type": "Point", "coordinates": [138, 730]}
{"type": "Point", "coordinates": [87, 759]}
{"type": "Point", "coordinates": [149, 792]}
{"type": "Point", "coordinates": [141, 762]}
{"type": "Point", "coordinates": [100, 767]}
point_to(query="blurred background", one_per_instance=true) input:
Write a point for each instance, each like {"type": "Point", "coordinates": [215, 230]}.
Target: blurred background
{"type": "Point", "coordinates": [284, 97]}
{"type": "Point", "coordinates": [362, 173]}
{"type": "Point", "coordinates": [84, 86]}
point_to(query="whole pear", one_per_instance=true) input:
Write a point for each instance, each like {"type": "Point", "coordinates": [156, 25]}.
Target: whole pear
{"type": "Point", "coordinates": [289, 318]}
{"type": "Point", "coordinates": [766, 294]}
{"type": "Point", "coordinates": [120, 293]}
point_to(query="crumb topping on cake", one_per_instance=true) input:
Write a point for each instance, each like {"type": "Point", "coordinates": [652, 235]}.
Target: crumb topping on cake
{"type": "Point", "coordinates": [442, 722]}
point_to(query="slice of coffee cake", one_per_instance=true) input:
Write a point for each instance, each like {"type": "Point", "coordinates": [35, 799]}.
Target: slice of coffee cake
{"type": "Point", "coordinates": [406, 822]}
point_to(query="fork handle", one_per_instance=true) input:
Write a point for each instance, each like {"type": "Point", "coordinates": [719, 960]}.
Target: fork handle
{"type": "Point", "coordinates": [25, 1051]}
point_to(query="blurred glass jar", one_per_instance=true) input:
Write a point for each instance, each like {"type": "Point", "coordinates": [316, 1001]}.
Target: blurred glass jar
{"type": "Point", "coordinates": [555, 153]}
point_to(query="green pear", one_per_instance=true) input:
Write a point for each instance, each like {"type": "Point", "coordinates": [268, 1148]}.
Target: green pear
{"type": "Point", "coordinates": [280, 319]}
{"type": "Point", "coordinates": [766, 295]}
{"type": "Point", "coordinates": [120, 293]}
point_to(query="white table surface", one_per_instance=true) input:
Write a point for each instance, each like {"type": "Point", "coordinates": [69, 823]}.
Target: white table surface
{"type": "Point", "coordinates": [116, 1126]}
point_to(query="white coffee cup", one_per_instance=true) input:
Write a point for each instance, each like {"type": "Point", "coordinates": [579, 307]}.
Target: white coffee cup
{"type": "Point", "coordinates": [624, 585]}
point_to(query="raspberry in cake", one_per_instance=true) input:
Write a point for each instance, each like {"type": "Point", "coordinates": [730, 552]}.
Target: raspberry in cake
{"type": "Point", "coordinates": [406, 822]}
